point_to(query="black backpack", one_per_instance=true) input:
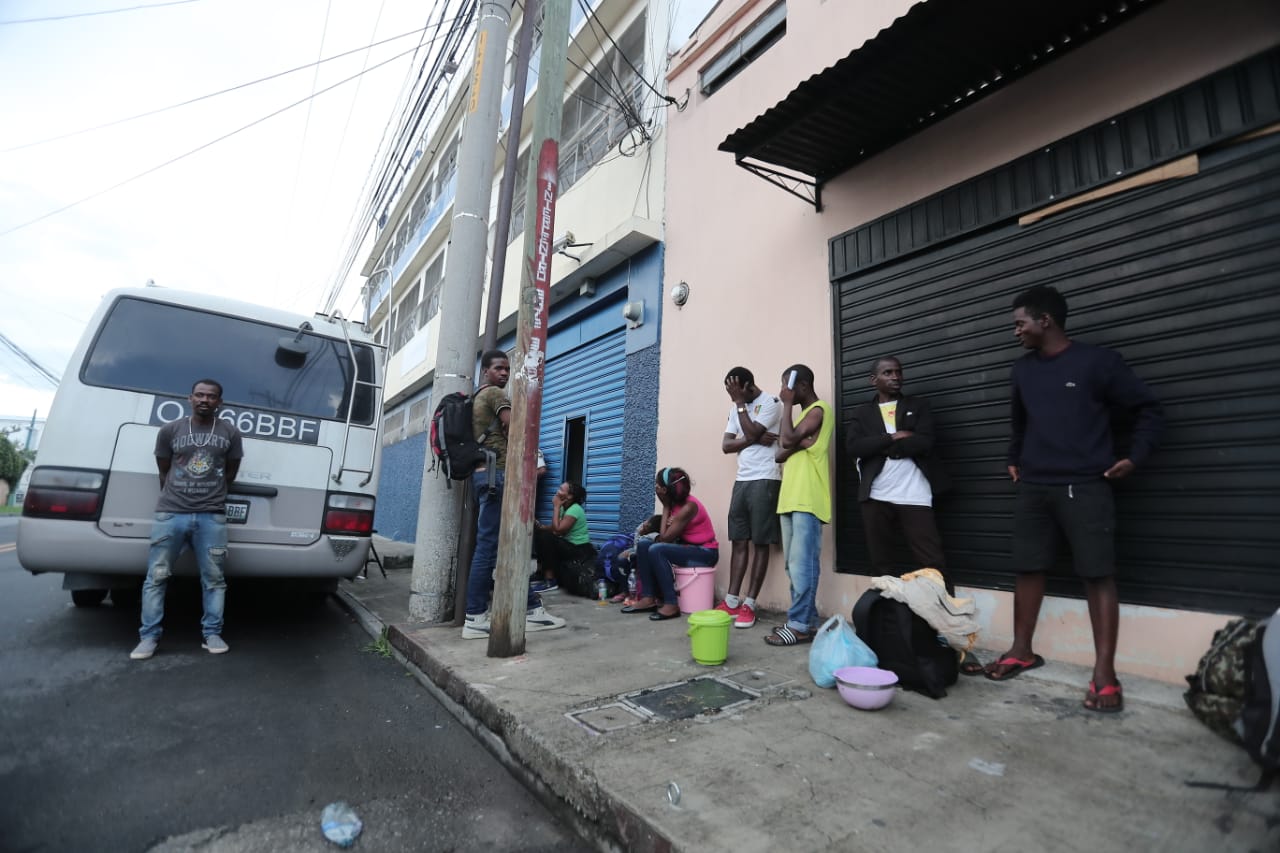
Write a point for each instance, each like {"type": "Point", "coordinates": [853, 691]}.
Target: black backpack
{"type": "Point", "coordinates": [578, 576]}
{"type": "Point", "coordinates": [906, 644]}
{"type": "Point", "coordinates": [456, 450]}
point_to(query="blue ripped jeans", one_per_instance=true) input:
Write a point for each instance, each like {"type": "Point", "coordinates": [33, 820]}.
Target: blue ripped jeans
{"type": "Point", "coordinates": [801, 547]}
{"type": "Point", "coordinates": [206, 532]}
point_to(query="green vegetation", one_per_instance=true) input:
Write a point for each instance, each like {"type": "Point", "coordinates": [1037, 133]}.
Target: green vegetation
{"type": "Point", "coordinates": [380, 646]}
{"type": "Point", "coordinates": [10, 510]}
{"type": "Point", "coordinates": [12, 462]}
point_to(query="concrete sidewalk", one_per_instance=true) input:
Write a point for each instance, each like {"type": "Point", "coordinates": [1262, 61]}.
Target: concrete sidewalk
{"type": "Point", "coordinates": [1015, 766]}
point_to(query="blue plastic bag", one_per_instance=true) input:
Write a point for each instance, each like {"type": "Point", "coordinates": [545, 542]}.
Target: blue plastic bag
{"type": "Point", "coordinates": [837, 645]}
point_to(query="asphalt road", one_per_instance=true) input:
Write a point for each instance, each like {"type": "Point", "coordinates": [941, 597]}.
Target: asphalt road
{"type": "Point", "coordinates": [238, 752]}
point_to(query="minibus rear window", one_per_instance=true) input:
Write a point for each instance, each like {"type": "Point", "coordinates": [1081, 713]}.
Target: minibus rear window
{"type": "Point", "coordinates": [161, 349]}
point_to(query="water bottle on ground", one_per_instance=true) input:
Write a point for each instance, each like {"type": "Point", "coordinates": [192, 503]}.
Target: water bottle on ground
{"type": "Point", "coordinates": [631, 586]}
{"type": "Point", "coordinates": [602, 591]}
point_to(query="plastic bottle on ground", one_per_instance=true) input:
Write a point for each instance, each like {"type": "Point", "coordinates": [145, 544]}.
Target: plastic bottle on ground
{"type": "Point", "coordinates": [340, 824]}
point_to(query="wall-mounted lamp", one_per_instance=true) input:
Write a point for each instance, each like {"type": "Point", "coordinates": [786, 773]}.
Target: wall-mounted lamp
{"type": "Point", "coordinates": [680, 294]}
{"type": "Point", "coordinates": [633, 312]}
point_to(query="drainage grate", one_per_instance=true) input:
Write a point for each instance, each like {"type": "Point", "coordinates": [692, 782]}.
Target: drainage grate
{"type": "Point", "coordinates": [758, 680]}
{"type": "Point", "coordinates": [690, 698]}
{"type": "Point", "coordinates": [607, 718]}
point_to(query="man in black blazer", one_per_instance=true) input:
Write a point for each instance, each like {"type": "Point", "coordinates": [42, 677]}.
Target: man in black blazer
{"type": "Point", "coordinates": [891, 436]}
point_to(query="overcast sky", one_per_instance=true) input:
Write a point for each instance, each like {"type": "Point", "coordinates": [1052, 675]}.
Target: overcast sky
{"type": "Point", "coordinates": [261, 216]}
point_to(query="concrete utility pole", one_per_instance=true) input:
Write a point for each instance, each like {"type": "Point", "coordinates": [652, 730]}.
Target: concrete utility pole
{"type": "Point", "coordinates": [510, 588]}
{"type": "Point", "coordinates": [434, 551]}
{"type": "Point", "coordinates": [497, 273]}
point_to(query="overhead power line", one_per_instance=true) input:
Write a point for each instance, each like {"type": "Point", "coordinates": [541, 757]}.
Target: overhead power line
{"type": "Point", "coordinates": [198, 148]}
{"type": "Point", "coordinates": [593, 20]}
{"type": "Point", "coordinates": [93, 14]}
{"type": "Point", "coordinates": [392, 153]}
{"type": "Point", "coordinates": [39, 368]}
{"type": "Point", "coordinates": [199, 98]}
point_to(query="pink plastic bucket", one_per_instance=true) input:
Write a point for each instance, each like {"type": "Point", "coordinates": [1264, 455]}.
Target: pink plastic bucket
{"type": "Point", "coordinates": [696, 587]}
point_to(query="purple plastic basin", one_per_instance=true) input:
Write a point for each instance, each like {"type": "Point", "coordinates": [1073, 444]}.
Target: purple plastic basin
{"type": "Point", "coordinates": [866, 687]}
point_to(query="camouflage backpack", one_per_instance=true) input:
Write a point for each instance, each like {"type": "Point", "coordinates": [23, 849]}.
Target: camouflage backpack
{"type": "Point", "coordinates": [1217, 689]}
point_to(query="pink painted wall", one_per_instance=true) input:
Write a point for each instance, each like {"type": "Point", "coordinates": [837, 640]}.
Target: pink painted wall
{"type": "Point", "coordinates": [755, 257]}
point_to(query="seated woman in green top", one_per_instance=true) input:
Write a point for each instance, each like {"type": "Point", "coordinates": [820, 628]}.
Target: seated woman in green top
{"type": "Point", "coordinates": [565, 540]}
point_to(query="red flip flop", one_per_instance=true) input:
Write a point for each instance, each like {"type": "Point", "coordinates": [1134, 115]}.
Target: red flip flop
{"type": "Point", "coordinates": [1019, 667]}
{"type": "Point", "coordinates": [1091, 701]}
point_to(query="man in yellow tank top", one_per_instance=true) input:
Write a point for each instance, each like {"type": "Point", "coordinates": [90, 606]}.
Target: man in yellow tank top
{"type": "Point", "coordinates": [804, 501]}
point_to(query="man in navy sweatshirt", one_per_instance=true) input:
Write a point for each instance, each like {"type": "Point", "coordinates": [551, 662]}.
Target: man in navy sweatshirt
{"type": "Point", "coordinates": [1062, 458]}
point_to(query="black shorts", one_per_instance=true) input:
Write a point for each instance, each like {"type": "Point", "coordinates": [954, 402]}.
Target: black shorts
{"type": "Point", "coordinates": [1084, 514]}
{"type": "Point", "coordinates": [753, 512]}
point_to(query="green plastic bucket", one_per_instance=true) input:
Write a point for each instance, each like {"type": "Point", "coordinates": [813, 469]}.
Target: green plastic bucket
{"type": "Point", "coordinates": [709, 636]}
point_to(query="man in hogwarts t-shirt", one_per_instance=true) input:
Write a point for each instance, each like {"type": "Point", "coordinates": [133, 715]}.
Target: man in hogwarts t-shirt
{"type": "Point", "coordinates": [197, 457]}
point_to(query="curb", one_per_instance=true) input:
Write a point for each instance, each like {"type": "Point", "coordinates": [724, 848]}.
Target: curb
{"type": "Point", "coordinates": [571, 793]}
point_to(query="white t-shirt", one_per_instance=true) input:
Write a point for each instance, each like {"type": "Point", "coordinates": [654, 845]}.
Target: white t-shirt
{"type": "Point", "coordinates": [900, 481]}
{"type": "Point", "coordinates": [756, 462]}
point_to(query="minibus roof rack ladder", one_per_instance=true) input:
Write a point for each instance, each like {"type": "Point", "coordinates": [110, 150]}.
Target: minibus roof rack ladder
{"type": "Point", "coordinates": [356, 382]}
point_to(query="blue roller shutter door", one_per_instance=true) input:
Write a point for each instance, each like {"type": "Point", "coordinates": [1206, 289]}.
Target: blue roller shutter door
{"type": "Point", "coordinates": [590, 382]}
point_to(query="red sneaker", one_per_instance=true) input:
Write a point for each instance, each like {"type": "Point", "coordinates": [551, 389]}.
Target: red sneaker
{"type": "Point", "coordinates": [746, 617]}
{"type": "Point", "coordinates": [732, 611]}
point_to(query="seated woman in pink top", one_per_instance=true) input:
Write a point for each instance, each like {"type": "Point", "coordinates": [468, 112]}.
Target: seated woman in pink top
{"type": "Point", "coordinates": [686, 538]}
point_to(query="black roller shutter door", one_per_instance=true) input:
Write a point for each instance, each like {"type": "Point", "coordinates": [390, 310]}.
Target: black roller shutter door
{"type": "Point", "coordinates": [1183, 278]}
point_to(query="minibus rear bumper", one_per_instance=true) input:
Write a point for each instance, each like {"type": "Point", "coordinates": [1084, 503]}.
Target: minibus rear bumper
{"type": "Point", "coordinates": [55, 545]}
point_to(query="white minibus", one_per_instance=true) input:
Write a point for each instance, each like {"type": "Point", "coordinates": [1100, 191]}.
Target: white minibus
{"type": "Point", "coordinates": [305, 393]}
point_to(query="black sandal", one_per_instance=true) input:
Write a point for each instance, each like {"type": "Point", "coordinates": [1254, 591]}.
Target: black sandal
{"type": "Point", "coordinates": [970, 665]}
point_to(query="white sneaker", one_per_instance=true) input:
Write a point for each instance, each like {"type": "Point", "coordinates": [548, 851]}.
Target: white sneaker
{"type": "Point", "coordinates": [476, 627]}
{"type": "Point", "coordinates": [538, 619]}
{"type": "Point", "coordinates": [145, 649]}
{"type": "Point", "coordinates": [214, 645]}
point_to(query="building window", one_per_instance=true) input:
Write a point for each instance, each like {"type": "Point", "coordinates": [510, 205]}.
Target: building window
{"type": "Point", "coordinates": [432, 280]}
{"type": "Point", "coordinates": [604, 108]}
{"type": "Point", "coordinates": [759, 37]}
{"type": "Point", "coordinates": [405, 320]}
{"type": "Point", "coordinates": [517, 196]}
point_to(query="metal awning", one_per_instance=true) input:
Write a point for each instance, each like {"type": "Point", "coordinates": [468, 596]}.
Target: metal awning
{"type": "Point", "coordinates": [938, 58]}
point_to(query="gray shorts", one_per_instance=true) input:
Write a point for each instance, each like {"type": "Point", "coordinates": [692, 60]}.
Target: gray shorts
{"type": "Point", "coordinates": [753, 512]}
{"type": "Point", "coordinates": [1082, 514]}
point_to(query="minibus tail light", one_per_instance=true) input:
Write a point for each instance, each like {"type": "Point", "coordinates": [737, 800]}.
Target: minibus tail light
{"type": "Point", "coordinates": [348, 514]}
{"type": "Point", "coordinates": [72, 494]}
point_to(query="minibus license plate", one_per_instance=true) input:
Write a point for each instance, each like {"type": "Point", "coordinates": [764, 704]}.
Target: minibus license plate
{"type": "Point", "coordinates": [237, 512]}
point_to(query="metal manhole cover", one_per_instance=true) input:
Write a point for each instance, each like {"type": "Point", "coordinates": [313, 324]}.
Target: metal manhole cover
{"type": "Point", "coordinates": [690, 698]}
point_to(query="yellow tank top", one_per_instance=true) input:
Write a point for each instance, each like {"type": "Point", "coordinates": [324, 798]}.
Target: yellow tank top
{"type": "Point", "coordinates": [806, 475]}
